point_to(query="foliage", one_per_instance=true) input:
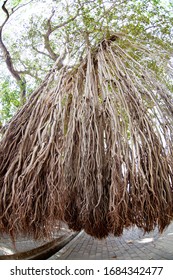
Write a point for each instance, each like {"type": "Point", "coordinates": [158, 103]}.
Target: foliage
{"type": "Point", "coordinates": [10, 100]}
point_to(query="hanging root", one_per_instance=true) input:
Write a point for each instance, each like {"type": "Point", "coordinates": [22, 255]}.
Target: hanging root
{"type": "Point", "coordinates": [94, 151]}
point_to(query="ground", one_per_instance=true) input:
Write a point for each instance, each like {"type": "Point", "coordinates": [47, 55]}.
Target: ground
{"type": "Point", "coordinates": [132, 245]}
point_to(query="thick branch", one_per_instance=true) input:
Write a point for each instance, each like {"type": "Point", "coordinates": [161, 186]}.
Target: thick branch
{"type": "Point", "coordinates": [7, 14]}
{"type": "Point", "coordinates": [48, 47]}
{"type": "Point", "coordinates": [50, 30]}
{"type": "Point", "coordinates": [46, 37]}
{"type": "Point", "coordinates": [8, 60]}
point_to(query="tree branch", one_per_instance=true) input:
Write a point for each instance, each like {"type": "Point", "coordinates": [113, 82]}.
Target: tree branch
{"type": "Point", "coordinates": [48, 47]}
{"type": "Point", "coordinates": [8, 59]}
{"type": "Point", "coordinates": [13, 10]}
{"type": "Point", "coordinates": [50, 30]}
{"type": "Point", "coordinates": [40, 52]}
{"type": "Point", "coordinates": [156, 25]}
{"type": "Point", "coordinates": [7, 14]}
{"type": "Point", "coordinates": [5, 9]}
{"type": "Point", "coordinates": [27, 72]}
{"type": "Point", "coordinates": [21, 6]}
{"type": "Point", "coordinates": [46, 37]}
{"type": "Point", "coordinates": [65, 22]}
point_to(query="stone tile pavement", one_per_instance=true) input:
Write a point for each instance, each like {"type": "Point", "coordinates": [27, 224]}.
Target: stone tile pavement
{"type": "Point", "coordinates": [132, 245]}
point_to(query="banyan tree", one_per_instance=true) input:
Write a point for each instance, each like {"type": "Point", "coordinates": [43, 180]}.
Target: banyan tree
{"type": "Point", "coordinates": [92, 147]}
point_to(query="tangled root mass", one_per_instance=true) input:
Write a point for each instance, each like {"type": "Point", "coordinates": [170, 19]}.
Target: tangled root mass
{"type": "Point", "coordinates": [94, 151]}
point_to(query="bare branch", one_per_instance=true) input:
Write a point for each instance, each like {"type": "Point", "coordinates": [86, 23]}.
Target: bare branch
{"type": "Point", "coordinates": [65, 22]}
{"type": "Point", "coordinates": [41, 52]}
{"type": "Point", "coordinates": [21, 6]}
{"type": "Point", "coordinates": [7, 14]}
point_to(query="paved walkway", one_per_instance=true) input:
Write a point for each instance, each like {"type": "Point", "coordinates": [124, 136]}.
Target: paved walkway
{"type": "Point", "coordinates": [132, 245]}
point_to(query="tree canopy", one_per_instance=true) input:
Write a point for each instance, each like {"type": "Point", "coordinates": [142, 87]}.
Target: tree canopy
{"type": "Point", "coordinates": [35, 33]}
